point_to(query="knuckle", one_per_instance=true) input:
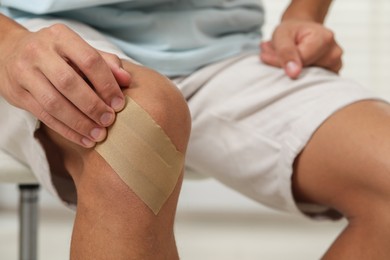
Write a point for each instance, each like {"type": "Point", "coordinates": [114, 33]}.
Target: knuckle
{"type": "Point", "coordinates": [329, 36]}
{"type": "Point", "coordinates": [15, 67]}
{"type": "Point", "coordinates": [107, 87]}
{"type": "Point", "coordinates": [65, 80]}
{"type": "Point", "coordinates": [112, 57]}
{"type": "Point", "coordinates": [92, 108]}
{"type": "Point", "coordinates": [56, 30]}
{"type": "Point", "coordinates": [32, 49]}
{"type": "Point", "coordinates": [80, 126]}
{"type": "Point", "coordinates": [45, 117]}
{"type": "Point", "coordinates": [117, 60]}
{"type": "Point", "coordinates": [336, 55]}
{"type": "Point", "coordinates": [15, 97]}
{"type": "Point", "coordinates": [286, 51]}
{"type": "Point", "coordinates": [69, 134]}
{"type": "Point", "coordinates": [50, 102]}
{"type": "Point", "coordinates": [90, 59]}
{"type": "Point", "coordinates": [339, 52]}
{"type": "Point", "coordinates": [17, 94]}
{"type": "Point", "coordinates": [339, 66]}
{"type": "Point", "coordinates": [20, 65]}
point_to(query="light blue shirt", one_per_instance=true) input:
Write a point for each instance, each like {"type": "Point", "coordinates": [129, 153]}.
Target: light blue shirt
{"type": "Point", "coordinates": [175, 37]}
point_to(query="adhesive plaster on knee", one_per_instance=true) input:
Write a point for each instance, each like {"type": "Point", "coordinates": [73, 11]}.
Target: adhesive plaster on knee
{"type": "Point", "coordinates": [143, 156]}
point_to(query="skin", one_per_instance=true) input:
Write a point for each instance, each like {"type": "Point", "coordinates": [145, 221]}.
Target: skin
{"type": "Point", "coordinates": [301, 40]}
{"type": "Point", "coordinates": [344, 165]}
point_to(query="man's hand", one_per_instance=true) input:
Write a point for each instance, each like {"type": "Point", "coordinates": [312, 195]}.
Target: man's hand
{"type": "Point", "coordinates": [298, 43]}
{"type": "Point", "coordinates": [67, 84]}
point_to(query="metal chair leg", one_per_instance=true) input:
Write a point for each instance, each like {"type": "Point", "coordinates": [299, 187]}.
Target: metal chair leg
{"type": "Point", "coordinates": [28, 221]}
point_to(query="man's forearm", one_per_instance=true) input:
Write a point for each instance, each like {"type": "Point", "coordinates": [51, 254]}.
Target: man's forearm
{"type": "Point", "coordinates": [312, 10]}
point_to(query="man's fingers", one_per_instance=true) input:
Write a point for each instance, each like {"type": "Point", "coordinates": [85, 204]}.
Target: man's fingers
{"type": "Point", "coordinates": [56, 125]}
{"type": "Point", "coordinates": [69, 87]}
{"type": "Point", "coordinates": [319, 48]}
{"type": "Point", "coordinates": [94, 67]}
{"type": "Point", "coordinates": [77, 92]}
{"type": "Point", "coordinates": [331, 60]}
{"type": "Point", "coordinates": [286, 49]}
{"type": "Point", "coordinates": [122, 77]}
{"type": "Point", "coordinates": [268, 54]}
{"type": "Point", "coordinates": [100, 76]}
{"type": "Point", "coordinates": [313, 45]}
{"type": "Point", "coordinates": [53, 105]}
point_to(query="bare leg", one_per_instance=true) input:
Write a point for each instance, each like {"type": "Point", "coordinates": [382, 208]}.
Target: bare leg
{"type": "Point", "coordinates": [111, 221]}
{"type": "Point", "coordinates": [346, 166]}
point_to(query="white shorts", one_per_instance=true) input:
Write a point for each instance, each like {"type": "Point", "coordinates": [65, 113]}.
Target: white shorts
{"type": "Point", "coordinates": [249, 121]}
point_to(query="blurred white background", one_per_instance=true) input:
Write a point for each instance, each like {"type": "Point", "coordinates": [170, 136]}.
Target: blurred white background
{"type": "Point", "coordinates": [215, 222]}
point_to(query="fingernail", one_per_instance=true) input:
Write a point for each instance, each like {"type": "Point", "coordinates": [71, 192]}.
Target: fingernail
{"type": "Point", "coordinates": [117, 103]}
{"type": "Point", "coordinates": [87, 143]}
{"type": "Point", "coordinates": [97, 134]}
{"type": "Point", "coordinates": [107, 118]}
{"type": "Point", "coordinates": [292, 67]}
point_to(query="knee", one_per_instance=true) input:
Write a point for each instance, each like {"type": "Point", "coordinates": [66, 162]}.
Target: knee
{"type": "Point", "coordinates": [158, 96]}
{"type": "Point", "coordinates": [366, 200]}
{"type": "Point", "coordinates": [136, 149]}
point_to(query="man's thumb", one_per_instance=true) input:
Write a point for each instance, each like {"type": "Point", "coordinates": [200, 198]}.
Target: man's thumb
{"type": "Point", "coordinates": [293, 69]}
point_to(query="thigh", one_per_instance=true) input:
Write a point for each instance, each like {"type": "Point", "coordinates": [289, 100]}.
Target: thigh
{"type": "Point", "coordinates": [250, 122]}
{"type": "Point", "coordinates": [345, 165]}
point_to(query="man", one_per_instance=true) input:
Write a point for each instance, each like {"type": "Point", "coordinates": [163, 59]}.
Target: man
{"type": "Point", "coordinates": [285, 130]}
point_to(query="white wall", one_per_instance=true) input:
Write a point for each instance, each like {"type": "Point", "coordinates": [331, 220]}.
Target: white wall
{"type": "Point", "coordinates": [362, 27]}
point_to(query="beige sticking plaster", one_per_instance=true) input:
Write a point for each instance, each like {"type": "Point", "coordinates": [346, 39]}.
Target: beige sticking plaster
{"type": "Point", "coordinates": [143, 156]}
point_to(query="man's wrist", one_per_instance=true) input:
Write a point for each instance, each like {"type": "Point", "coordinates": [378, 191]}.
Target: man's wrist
{"type": "Point", "coordinates": [7, 43]}
{"type": "Point", "coordinates": [9, 29]}
{"type": "Point", "coordinates": [307, 10]}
